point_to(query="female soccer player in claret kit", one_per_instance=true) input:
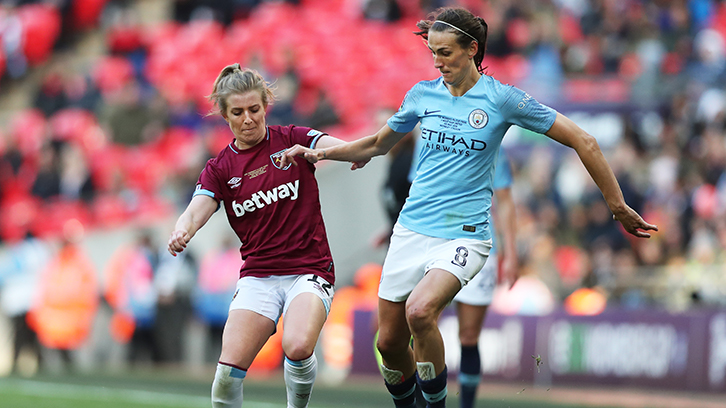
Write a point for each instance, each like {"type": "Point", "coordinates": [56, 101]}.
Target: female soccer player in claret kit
{"type": "Point", "coordinates": [442, 236]}
{"type": "Point", "coordinates": [274, 209]}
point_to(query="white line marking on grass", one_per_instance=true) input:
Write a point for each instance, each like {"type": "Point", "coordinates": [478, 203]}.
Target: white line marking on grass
{"type": "Point", "coordinates": [91, 392]}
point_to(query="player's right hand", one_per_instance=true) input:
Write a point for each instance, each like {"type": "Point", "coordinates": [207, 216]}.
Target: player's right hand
{"type": "Point", "coordinates": [311, 155]}
{"type": "Point", "coordinates": [178, 241]}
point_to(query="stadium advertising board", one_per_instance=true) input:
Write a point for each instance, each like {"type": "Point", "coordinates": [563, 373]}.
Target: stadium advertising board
{"type": "Point", "coordinates": [652, 349]}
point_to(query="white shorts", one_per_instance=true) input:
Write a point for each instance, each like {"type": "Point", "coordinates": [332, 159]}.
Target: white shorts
{"type": "Point", "coordinates": [271, 295]}
{"type": "Point", "coordinates": [411, 255]}
{"type": "Point", "coordinates": [480, 290]}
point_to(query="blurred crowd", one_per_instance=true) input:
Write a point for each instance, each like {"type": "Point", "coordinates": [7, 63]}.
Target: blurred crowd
{"type": "Point", "coordinates": [123, 140]}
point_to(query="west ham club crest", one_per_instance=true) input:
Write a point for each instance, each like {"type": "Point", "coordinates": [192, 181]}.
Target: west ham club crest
{"type": "Point", "coordinates": [277, 160]}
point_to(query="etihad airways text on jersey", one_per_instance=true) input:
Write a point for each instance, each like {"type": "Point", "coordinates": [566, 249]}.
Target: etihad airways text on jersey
{"type": "Point", "coordinates": [263, 198]}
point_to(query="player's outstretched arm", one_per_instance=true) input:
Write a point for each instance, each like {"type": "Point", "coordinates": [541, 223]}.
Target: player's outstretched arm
{"type": "Point", "coordinates": [506, 219]}
{"type": "Point", "coordinates": [568, 133]}
{"type": "Point", "coordinates": [359, 151]}
{"type": "Point", "coordinates": [329, 141]}
{"type": "Point", "coordinates": [194, 217]}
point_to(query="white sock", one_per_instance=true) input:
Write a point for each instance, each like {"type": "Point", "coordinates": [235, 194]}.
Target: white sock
{"type": "Point", "coordinates": [299, 378]}
{"type": "Point", "coordinates": [227, 387]}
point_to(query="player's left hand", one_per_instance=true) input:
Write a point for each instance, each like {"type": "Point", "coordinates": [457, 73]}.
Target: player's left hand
{"type": "Point", "coordinates": [634, 223]}
{"type": "Point", "coordinates": [510, 271]}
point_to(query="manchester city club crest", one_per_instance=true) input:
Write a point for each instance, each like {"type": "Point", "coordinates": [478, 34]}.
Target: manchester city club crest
{"type": "Point", "coordinates": [277, 160]}
{"type": "Point", "coordinates": [478, 118]}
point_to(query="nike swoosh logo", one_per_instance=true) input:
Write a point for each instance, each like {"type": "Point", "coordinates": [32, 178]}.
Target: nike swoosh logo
{"type": "Point", "coordinates": [428, 112]}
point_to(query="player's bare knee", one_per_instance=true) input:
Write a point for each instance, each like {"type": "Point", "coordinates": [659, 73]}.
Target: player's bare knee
{"type": "Point", "coordinates": [468, 336]}
{"type": "Point", "coordinates": [298, 349]}
{"type": "Point", "coordinates": [391, 347]}
{"type": "Point", "coordinates": [420, 318]}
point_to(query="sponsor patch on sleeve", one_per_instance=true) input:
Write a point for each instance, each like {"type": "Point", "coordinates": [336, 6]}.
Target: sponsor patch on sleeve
{"type": "Point", "coordinates": [314, 132]}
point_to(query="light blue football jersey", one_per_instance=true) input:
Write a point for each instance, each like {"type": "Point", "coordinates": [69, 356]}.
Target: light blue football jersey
{"type": "Point", "coordinates": [451, 193]}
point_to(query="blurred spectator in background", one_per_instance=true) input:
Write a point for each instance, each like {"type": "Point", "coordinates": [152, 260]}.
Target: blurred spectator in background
{"type": "Point", "coordinates": [65, 304]}
{"type": "Point", "coordinates": [60, 89]}
{"type": "Point", "coordinates": [51, 97]}
{"type": "Point", "coordinates": [397, 183]}
{"type": "Point", "coordinates": [217, 281]}
{"type": "Point", "coordinates": [63, 172]}
{"type": "Point", "coordinates": [11, 34]}
{"type": "Point", "coordinates": [47, 180]}
{"type": "Point", "coordinates": [398, 177]}
{"type": "Point", "coordinates": [337, 335]}
{"type": "Point", "coordinates": [174, 280]}
{"type": "Point", "coordinates": [75, 177]}
{"type": "Point", "coordinates": [20, 267]}
{"type": "Point", "coordinates": [129, 290]}
{"type": "Point", "coordinates": [129, 118]}
{"type": "Point", "coordinates": [224, 11]}
{"type": "Point", "coordinates": [81, 92]}
{"type": "Point", "coordinates": [324, 114]}
{"type": "Point", "coordinates": [382, 10]}
{"type": "Point", "coordinates": [283, 112]}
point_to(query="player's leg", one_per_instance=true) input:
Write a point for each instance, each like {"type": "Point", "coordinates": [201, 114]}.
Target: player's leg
{"type": "Point", "coordinates": [402, 270]}
{"type": "Point", "coordinates": [471, 307]}
{"type": "Point", "coordinates": [397, 363]}
{"type": "Point", "coordinates": [303, 322]}
{"type": "Point", "coordinates": [471, 318]}
{"type": "Point", "coordinates": [423, 308]}
{"type": "Point", "coordinates": [253, 315]}
{"type": "Point", "coordinates": [420, 401]}
{"type": "Point", "coordinates": [452, 264]}
{"type": "Point", "coordinates": [244, 335]}
{"type": "Point", "coordinates": [306, 310]}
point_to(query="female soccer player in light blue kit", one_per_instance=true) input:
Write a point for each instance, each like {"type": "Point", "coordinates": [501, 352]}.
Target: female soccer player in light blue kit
{"type": "Point", "coordinates": [442, 237]}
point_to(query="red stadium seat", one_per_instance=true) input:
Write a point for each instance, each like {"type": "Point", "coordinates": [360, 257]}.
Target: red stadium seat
{"type": "Point", "coordinates": [17, 213]}
{"type": "Point", "coordinates": [28, 131]}
{"type": "Point", "coordinates": [85, 14]}
{"type": "Point", "coordinates": [110, 210]}
{"type": "Point", "coordinates": [176, 148]}
{"type": "Point", "coordinates": [217, 138]}
{"type": "Point", "coordinates": [112, 73]}
{"type": "Point", "coordinates": [70, 124]}
{"type": "Point", "coordinates": [41, 28]}
{"type": "Point", "coordinates": [570, 30]}
{"type": "Point", "coordinates": [124, 38]}
{"type": "Point", "coordinates": [152, 208]}
{"type": "Point", "coordinates": [143, 169]}
{"type": "Point", "coordinates": [2, 62]}
{"type": "Point", "coordinates": [53, 215]}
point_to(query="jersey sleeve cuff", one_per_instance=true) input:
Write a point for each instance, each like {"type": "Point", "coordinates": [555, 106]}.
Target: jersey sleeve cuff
{"type": "Point", "coordinates": [207, 193]}
{"type": "Point", "coordinates": [400, 127]}
{"type": "Point", "coordinates": [314, 142]}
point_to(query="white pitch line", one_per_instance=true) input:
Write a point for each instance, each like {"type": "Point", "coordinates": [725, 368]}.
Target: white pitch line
{"type": "Point", "coordinates": [91, 392]}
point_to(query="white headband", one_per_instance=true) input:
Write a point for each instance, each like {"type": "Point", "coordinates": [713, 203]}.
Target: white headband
{"type": "Point", "coordinates": [456, 28]}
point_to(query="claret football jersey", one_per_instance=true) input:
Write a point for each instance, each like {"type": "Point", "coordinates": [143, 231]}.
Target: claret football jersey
{"type": "Point", "coordinates": [274, 210]}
